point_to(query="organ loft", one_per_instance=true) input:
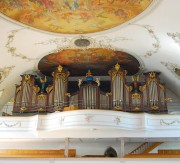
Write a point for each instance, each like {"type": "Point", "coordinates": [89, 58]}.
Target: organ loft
{"type": "Point", "coordinates": [123, 95]}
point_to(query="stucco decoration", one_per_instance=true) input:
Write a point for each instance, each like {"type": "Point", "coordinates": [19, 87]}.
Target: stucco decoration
{"type": "Point", "coordinates": [12, 50]}
{"type": "Point", "coordinates": [73, 16]}
{"type": "Point", "coordinates": [174, 68]}
{"type": "Point", "coordinates": [1, 93]}
{"type": "Point", "coordinates": [67, 43]}
{"type": "Point", "coordinates": [175, 37]}
{"type": "Point", "coordinates": [117, 120]}
{"type": "Point", "coordinates": [4, 72]}
{"type": "Point", "coordinates": [156, 42]}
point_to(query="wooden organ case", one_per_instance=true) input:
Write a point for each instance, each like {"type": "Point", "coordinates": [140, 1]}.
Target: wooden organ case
{"type": "Point", "coordinates": [59, 91]}
{"type": "Point", "coordinates": [154, 93]}
{"type": "Point", "coordinates": [118, 89]}
{"type": "Point", "coordinates": [25, 94]}
{"type": "Point", "coordinates": [89, 95]}
{"type": "Point", "coordinates": [136, 96]}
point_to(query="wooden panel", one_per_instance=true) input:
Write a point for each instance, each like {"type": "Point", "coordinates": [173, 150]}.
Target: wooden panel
{"type": "Point", "coordinates": [152, 156]}
{"type": "Point", "coordinates": [36, 153]}
{"type": "Point", "coordinates": [169, 152]}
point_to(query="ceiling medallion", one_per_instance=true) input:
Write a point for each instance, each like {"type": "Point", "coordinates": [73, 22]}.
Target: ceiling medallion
{"type": "Point", "coordinates": [73, 16]}
{"type": "Point", "coordinates": [82, 42]}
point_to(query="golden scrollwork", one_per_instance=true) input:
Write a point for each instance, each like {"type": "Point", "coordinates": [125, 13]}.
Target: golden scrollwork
{"type": "Point", "coordinates": [23, 108]}
{"type": "Point", "coordinates": [152, 74]}
{"type": "Point", "coordinates": [142, 88]}
{"type": "Point", "coordinates": [168, 99]}
{"type": "Point", "coordinates": [49, 89]}
{"type": "Point", "coordinates": [40, 109]}
{"type": "Point", "coordinates": [18, 89]}
{"type": "Point", "coordinates": [42, 96]}
{"type": "Point", "coordinates": [36, 89]}
{"type": "Point", "coordinates": [68, 94]}
{"type": "Point", "coordinates": [62, 75]}
{"type": "Point", "coordinates": [109, 94]}
{"type": "Point", "coordinates": [118, 108]}
{"type": "Point", "coordinates": [57, 108]}
{"type": "Point", "coordinates": [116, 73]}
{"type": "Point", "coordinates": [136, 96]}
{"type": "Point", "coordinates": [27, 77]}
{"type": "Point", "coordinates": [154, 107]}
{"type": "Point", "coordinates": [136, 108]}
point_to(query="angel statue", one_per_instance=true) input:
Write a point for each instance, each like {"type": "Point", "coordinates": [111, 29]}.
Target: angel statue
{"type": "Point", "coordinates": [98, 81]}
{"type": "Point", "coordinates": [79, 82]}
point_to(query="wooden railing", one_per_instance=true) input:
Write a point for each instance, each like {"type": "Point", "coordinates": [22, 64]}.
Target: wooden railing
{"type": "Point", "coordinates": [36, 153]}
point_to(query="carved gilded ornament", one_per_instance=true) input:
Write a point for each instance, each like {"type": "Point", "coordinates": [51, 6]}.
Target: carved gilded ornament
{"type": "Point", "coordinates": [58, 108]}
{"type": "Point", "coordinates": [154, 107]}
{"type": "Point", "coordinates": [43, 80]}
{"type": "Point", "coordinates": [40, 109]}
{"type": "Point", "coordinates": [36, 89]}
{"type": "Point", "coordinates": [62, 75]}
{"type": "Point", "coordinates": [136, 96]}
{"type": "Point", "coordinates": [60, 68]}
{"type": "Point", "coordinates": [118, 108]}
{"type": "Point", "coordinates": [136, 108]}
{"type": "Point", "coordinates": [23, 108]}
{"type": "Point", "coordinates": [41, 96]}
{"type": "Point", "coordinates": [49, 89]}
{"type": "Point", "coordinates": [18, 89]}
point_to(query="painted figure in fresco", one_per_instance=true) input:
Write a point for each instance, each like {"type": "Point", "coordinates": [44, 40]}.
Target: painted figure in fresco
{"type": "Point", "coordinates": [47, 3]}
{"type": "Point", "coordinates": [72, 4]}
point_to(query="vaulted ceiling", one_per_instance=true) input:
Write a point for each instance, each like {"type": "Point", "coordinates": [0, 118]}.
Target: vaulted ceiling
{"type": "Point", "coordinates": [147, 30]}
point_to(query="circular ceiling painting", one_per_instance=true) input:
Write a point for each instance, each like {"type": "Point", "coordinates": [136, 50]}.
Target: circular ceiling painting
{"type": "Point", "coordinates": [73, 16]}
{"type": "Point", "coordinates": [98, 60]}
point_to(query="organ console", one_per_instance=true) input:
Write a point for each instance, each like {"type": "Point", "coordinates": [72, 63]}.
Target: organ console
{"type": "Point", "coordinates": [135, 96]}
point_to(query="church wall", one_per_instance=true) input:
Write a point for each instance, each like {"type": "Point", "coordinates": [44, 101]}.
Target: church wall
{"type": "Point", "coordinates": [90, 160]}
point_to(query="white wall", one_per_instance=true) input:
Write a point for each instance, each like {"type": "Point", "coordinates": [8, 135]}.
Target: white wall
{"type": "Point", "coordinates": [89, 160]}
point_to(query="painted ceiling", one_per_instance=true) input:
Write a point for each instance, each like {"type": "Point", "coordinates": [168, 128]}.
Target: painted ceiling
{"type": "Point", "coordinates": [152, 39]}
{"type": "Point", "coordinates": [73, 16]}
{"type": "Point", "coordinates": [98, 60]}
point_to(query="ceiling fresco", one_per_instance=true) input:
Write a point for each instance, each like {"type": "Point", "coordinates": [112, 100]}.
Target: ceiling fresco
{"type": "Point", "coordinates": [73, 16]}
{"type": "Point", "coordinates": [98, 60]}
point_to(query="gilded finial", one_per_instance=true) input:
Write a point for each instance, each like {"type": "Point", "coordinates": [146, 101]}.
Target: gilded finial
{"type": "Point", "coordinates": [88, 73]}
{"type": "Point", "coordinates": [27, 77]}
{"type": "Point", "coordinates": [60, 68]}
{"type": "Point", "coordinates": [117, 67]}
{"type": "Point", "coordinates": [152, 74]}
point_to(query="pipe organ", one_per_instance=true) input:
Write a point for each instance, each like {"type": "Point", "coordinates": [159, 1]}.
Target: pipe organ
{"type": "Point", "coordinates": [25, 94]}
{"type": "Point", "coordinates": [131, 96]}
{"type": "Point", "coordinates": [59, 91]}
